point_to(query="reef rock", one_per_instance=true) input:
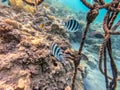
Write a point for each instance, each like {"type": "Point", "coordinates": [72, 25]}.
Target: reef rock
{"type": "Point", "coordinates": [25, 59]}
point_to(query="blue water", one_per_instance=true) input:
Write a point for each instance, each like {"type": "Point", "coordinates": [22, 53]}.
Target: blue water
{"type": "Point", "coordinates": [77, 6]}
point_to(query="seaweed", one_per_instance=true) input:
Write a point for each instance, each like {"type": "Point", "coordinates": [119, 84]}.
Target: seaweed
{"type": "Point", "coordinates": [109, 29]}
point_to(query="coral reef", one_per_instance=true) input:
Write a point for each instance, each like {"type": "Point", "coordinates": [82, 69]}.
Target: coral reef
{"type": "Point", "coordinates": [25, 59]}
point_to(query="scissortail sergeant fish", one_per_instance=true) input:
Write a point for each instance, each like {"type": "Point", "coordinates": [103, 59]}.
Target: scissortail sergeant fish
{"type": "Point", "coordinates": [56, 51]}
{"type": "Point", "coordinates": [72, 25]}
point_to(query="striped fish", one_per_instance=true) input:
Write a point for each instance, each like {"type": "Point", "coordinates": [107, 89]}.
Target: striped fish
{"type": "Point", "coordinates": [56, 51]}
{"type": "Point", "coordinates": [72, 25]}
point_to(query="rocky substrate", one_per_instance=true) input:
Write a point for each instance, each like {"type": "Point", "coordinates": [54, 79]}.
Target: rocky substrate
{"type": "Point", "coordinates": [25, 59]}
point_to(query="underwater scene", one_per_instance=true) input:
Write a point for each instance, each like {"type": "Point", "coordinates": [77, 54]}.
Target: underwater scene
{"type": "Point", "coordinates": [59, 44]}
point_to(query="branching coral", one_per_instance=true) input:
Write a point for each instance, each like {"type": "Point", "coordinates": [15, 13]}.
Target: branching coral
{"type": "Point", "coordinates": [112, 12]}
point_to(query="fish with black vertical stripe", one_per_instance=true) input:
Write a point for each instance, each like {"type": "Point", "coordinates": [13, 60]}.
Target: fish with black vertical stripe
{"type": "Point", "coordinates": [56, 51]}
{"type": "Point", "coordinates": [72, 25]}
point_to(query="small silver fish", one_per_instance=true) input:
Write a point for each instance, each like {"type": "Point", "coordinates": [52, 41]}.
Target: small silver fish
{"type": "Point", "coordinates": [56, 51]}
{"type": "Point", "coordinates": [72, 25]}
